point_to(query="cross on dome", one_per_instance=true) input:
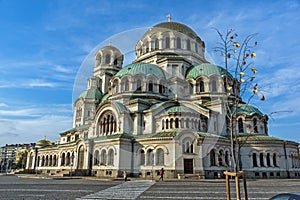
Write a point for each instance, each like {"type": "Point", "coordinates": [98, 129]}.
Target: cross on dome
{"type": "Point", "coordinates": [169, 17]}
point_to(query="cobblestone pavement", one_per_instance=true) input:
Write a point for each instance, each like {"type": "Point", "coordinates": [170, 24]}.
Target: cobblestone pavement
{"type": "Point", "coordinates": [13, 188]}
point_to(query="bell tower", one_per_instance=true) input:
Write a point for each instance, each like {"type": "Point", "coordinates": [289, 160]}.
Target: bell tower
{"type": "Point", "coordinates": [109, 61]}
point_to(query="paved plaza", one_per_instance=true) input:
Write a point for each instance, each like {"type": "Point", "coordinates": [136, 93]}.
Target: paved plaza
{"type": "Point", "coordinates": [12, 187]}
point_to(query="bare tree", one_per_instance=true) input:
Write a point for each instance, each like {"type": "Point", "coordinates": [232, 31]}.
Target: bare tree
{"type": "Point", "coordinates": [239, 82]}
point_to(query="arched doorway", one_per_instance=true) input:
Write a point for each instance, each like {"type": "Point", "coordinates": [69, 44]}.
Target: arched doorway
{"type": "Point", "coordinates": [80, 157]}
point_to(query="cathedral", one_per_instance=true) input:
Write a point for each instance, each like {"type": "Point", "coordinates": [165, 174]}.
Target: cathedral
{"type": "Point", "coordinates": [164, 110]}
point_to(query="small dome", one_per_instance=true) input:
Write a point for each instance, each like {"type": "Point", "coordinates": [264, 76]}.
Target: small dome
{"type": "Point", "coordinates": [109, 55]}
{"type": "Point", "coordinates": [91, 94]}
{"type": "Point", "coordinates": [141, 68]}
{"type": "Point", "coordinates": [248, 110]}
{"type": "Point", "coordinates": [43, 143]}
{"type": "Point", "coordinates": [110, 48]}
{"type": "Point", "coordinates": [206, 69]}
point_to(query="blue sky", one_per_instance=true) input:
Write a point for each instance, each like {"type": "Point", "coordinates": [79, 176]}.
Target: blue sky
{"type": "Point", "coordinates": [44, 43]}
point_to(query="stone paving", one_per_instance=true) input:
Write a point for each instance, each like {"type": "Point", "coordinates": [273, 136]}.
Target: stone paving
{"type": "Point", "coordinates": [126, 190]}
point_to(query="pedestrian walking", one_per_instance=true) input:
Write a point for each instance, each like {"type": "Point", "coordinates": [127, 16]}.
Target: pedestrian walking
{"type": "Point", "coordinates": [125, 175]}
{"type": "Point", "coordinates": [161, 173]}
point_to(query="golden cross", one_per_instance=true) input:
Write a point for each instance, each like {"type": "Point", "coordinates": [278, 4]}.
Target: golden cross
{"type": "Point", "coordinates": [169, 17]}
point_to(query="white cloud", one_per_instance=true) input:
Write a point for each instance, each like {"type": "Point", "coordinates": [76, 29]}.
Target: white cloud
{"type": "Point", "coordinates": [32, 130]}
{"type": "Point", "coordinates": [3, 105]}
{"type": "Point", "coordinates": [62, 69]}
{"type": "Point", "coordinates": [39, 83]}
{"type": "Point", "coordinates": [34, 122]}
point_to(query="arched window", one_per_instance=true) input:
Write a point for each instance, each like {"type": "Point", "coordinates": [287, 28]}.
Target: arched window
{"type": "Point", "coordinates": [268, 160]}
{"type": "Point", "coordinates": [150, 157]}
{"type": "Point", "coordinates": [167, 123]}
{"type": "Point", "coordinates": [126, 87]}
{"type": "Point", "coordinates": [167, 42]}
{"type": "Point", "coordinates": [107, 59]}
{"type": "Point", "coordinates": [111, 157]}
{"type": "Point", "coordinates": [63, 155]}
{"type": "Point", "coordinates": [72, 158]}
{"type": "Point", "coordinates": [68, 158]}
{"type": "Point", "coordinates": [178, 41]}
{"type": "Point", "coordinates": [214, 86]}
{"type": "Point", "coordinates": [54, 162]}
{"type": "Point", "coordinates": [139, 85]}
{"type": "Point", "coordinates": [150, 86]}
{"type": "Point", "coordinates": [160, 89]}
{"type": "Point", "coordinates": [227, 158]}
{"type": "Point", "coordinates": [156, 44]}
{"type": "Point", "coordinates": [212, 155]}
{"type": "Point", "coordinates": [163, 124]}
{"type": "Point", "coordinates": [261, 159]}
{"type": "Point", "coordinates": [43, 161]}
{"type": "Point", "coordinates": [103, 157]}
{"type": "Point", "coordinates": [240, 125]}
{"type": "Point", "coordinates": [160, 159]}
{"type": "Point", "coordinates": [50, 160]}
{"type": "Point", "coordinates": [47, 161]}
{"type": "Point", "coordinates": [96, 157]}
{"type": "Point", "coordinates": [254, 160]}
{"type": "Point", "coordinates": [201, 84]}
{"type": "Point", "coordinates": [188, 44]}
{"type": "Point", "coordinates": [142, 158]}
{"type": "Point", "coordinates": [116, 62]}
{"type": "Point", "coordinates": [255, 129]}
{"type": "Point", "coordinates": [196, 47]}
{"type": "Point", "coordinates": [176, 123]}
{"type": "Point", "coordinates": [274, 160]}
{"type": "Point", "coordinates": [147, 47]}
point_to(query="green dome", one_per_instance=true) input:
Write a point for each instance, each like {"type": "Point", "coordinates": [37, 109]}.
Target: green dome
{"type": "Point", "coordinates": [206, 69]}
{"type": "Point", "coordinates": [247, 110]}
{"type": "Point", "coordinates": [43, 143]}
{"type": "Point", "coordinates": [91, 94]}
{"type": "Point", "coordinates": [143, 69]}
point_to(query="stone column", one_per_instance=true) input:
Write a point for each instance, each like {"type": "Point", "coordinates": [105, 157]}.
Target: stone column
{"type": "Point", "coordinates": [258, 160]}
{"type": "Point", "coordinates": [265, 161]}
{"type": "Point", "coordinates": [172, 42]}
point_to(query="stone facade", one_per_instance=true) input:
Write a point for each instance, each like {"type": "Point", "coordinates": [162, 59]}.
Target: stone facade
{"type": "Point", "coordinates": [165, 110]}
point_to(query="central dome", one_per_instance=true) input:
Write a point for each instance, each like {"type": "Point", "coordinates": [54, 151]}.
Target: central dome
{"type": "Point", "coordinates": [170, 38]}
{"type": "Point", "coordinates": [175, 26]}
